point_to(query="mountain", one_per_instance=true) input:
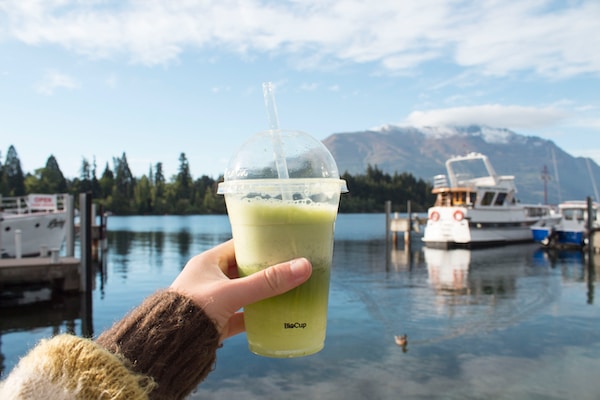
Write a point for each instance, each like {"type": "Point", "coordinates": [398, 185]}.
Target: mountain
{"type": "Point", "coordinates": [424, 151]}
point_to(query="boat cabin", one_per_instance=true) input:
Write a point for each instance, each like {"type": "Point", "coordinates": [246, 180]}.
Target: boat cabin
{"type": "Point", "coordinates": [449, 197]}
{"type": "Point", "coordinates": [467, 197]}
{"type": "Point", "coordinates": [575, 210]}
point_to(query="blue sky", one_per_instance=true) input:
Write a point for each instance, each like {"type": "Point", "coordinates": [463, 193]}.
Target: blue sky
{"type": "Point", "coordinates": [95, 79]}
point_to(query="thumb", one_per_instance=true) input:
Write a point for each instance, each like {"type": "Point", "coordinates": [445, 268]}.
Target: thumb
{"type": "Point", "coordinates": [271, 281]}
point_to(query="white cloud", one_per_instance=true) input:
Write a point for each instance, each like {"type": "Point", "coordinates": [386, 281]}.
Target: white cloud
{"type": "Point", "coordinates": [495, 37]}
{"type": "Point", "coordinates": [523, 35]}
{"type": "Point", "coordinates": [494, 115]}
{"type": "Point", "coordinates": [54, 80]}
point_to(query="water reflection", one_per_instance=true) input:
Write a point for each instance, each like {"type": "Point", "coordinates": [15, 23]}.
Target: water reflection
{"type": "Point", "coordinates": [476, 321]}
{"type": "Point", "coordinates": [157, 248]}
{"type": "Point", "coordinates": [488, 323]}
{"type": "Point", "coordinates": [184, 240]}
{"type": "Point", "coordinates": [70, 313]}
{"type": "Point", "coordinates": [478, 291]}
{"type": "Point", "coordinates": [574, 266]}
{"type": "Point", "coordinates": [448, 270]}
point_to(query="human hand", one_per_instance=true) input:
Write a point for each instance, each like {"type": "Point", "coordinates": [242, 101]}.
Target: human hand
{"type": "Point", "coordinates": [211, 280]}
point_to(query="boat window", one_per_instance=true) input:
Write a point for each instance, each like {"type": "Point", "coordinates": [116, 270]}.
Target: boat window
{"type": "Point", "coordinates": [537, 211]}
{"type": "Point", "coordinates": [567, 214]}
{"type": "Point", "coordinates": [487, 198]}
{"type": "Point", "coordinates": [443, 199]}
{"type": "Point", "coordinates": [573, 214]}
{"type": "Point", "coordinates": [460, 198]}
{"type": "Point", "coordinates": [500, 199]}
{"type": "Point", "coordinates": [472, 197]}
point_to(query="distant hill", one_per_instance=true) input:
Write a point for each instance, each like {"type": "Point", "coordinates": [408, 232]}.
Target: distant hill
{"type": "Point", "coordinates": [423, 152]}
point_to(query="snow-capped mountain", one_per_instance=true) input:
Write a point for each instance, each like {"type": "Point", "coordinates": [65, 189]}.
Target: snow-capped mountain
{"type": "Point", "coordinates": [423, 151]}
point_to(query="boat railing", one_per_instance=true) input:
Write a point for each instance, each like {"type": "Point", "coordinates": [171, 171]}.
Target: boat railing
{"type": "Point", "coordinates": [440, 181]}
{"type": "Point", "coordinates": [33, 203]}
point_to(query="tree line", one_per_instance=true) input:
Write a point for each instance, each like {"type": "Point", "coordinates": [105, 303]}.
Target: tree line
{"type": "Point", "coordinates": [119, 192]}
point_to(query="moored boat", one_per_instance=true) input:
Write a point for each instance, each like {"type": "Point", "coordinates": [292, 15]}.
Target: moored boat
{"type": "Point", "coordinates": [571, 230]}
{"type": "Point", "coordinates": [476, 207]}
{"type": "Point", "coordinates": [30, 224]}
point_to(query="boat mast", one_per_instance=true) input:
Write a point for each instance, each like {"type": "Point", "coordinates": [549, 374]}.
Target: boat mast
{"type": "Point", "coordinates": [592, 178]}
{"type": "Point", "coordinates": [556, 174]}
{"type": "Point", "coordinates": [545, 178]}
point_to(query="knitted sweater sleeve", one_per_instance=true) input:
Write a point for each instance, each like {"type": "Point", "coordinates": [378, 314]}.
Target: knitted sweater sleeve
{"type": "Point", "coordinates": [161, 350]}
{"type": "Point", "coordinates": [68, 367]}
{"type": "Point", "coordinates": [169, 339]}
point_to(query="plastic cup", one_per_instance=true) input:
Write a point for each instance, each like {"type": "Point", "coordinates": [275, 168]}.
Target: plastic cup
{"type": "Point", "coordinates": [275, 220]}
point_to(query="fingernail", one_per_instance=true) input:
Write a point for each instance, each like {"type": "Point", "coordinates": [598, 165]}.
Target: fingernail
{"type": "Point", "coordinates": [298, 266]}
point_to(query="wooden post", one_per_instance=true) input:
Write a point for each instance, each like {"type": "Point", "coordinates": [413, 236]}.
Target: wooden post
{"type": "Point", "coordinates": [388, 257]}
{"type": "Point", "coordinates": [590, 219]}
{"type": "Point", "coordinates": [86, 275]}
{"type": "Point", "coordinates": [85, 240]}
{"type": "Point", "coordinates": [18, 243]}
{"type": "Point", "coordinates": [388, 210]}
{"type": "Point", "coordinates": [407, 233]}
{"type": "Point", "coordinates": [70, 234]}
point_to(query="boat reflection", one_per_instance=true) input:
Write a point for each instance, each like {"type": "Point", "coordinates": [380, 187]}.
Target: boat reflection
{"type": "Point", "coordinates": [448, 270]}
{"type": "Point", "coordinates": [497, 271]}
{"type": "Point", "coordinates": [575, 265]}
{"type": "Point", "coordinates": [477, 273]}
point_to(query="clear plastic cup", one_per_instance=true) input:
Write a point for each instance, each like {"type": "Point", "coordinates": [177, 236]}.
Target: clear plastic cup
{"type": "Point", "coordinates": [277, 219]}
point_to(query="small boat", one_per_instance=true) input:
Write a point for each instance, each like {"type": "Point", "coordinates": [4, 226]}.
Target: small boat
{"type": "Point", "coordinates": [34, 223]}
{"type": "Point", "coordinates": [572, 227]}
{"type": "Point", "coordinates": [477, 207]}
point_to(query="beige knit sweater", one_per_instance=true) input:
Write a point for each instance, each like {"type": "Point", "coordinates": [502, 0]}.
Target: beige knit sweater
{"type": "Point", "coordinates": [161, 350]}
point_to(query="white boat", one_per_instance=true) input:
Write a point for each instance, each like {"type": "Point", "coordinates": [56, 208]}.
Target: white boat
{"type": "Point", "coordinates": [33, 223]}
{"type": "Point", "coordinates": [476, 207]}
{"type": "Point", "coordinates": [571, 229]}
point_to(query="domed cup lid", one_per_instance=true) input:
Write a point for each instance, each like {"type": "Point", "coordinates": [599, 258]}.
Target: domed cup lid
{"type": "Point", "coordinates": [293, 157]}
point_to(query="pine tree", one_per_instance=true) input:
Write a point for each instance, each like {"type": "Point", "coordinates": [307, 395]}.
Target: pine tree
{"type": "Point", "coordinates": [52, 177]}
{"type": "Point", "coordinates": [13, 172]}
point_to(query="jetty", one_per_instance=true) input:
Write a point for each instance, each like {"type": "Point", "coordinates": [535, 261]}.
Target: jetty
{"type": "Point", "coordinates": [405, 226]}
{"type": "Point", "coordinates": [52, 272]}
{"type": "Point", "coordinates": [61, 273]}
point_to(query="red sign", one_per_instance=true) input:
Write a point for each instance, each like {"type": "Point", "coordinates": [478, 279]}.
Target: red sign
{"type": "Point", "coordinates": [42, 201]}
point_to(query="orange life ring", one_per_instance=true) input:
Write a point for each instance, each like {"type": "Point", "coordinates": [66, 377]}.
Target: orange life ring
{"type": "Point", "coordinates": [434, 216]}
{"type": "Point", "coordinates": [458, 215]}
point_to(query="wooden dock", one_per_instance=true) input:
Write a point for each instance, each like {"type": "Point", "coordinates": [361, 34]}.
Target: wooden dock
{"type": "Point", "coordinates": [60, 273]}
{"type": "Point", "coordinates": [407, 225]}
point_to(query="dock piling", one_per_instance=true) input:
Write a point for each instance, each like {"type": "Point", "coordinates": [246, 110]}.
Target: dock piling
{"type": "Point", "coordinates": [85, 239]}
{"type": "Point", "coordinates": [18, 244]}
{"type": "Point", "coordinates": [407, 232]}
{"type": "Point", "coordinates": [86, 273]}
{"type": "Point", "coordinates": [70, 234]}
{"type": "Point", "coordinates": [388, 210]}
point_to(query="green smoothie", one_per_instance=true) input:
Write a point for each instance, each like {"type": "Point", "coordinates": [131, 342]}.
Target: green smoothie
{"type": "Point", "coordinates": [268, 232]}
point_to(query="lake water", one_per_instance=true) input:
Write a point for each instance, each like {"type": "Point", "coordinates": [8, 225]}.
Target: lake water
{"type": "Point", "coordinates": [512, 322]}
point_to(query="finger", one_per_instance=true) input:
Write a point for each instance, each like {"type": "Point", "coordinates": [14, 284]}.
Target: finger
{"type": "Point", "coordinates": [224, 255]}
{"type": "Point", "coordinates": [269, 282]}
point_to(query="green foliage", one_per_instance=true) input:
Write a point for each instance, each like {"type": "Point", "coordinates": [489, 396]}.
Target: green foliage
{"type": "Point", "coordinates": [13, 174]}
{"type": "Point", "coordinates": [119, 192]}
{"type": "Point", "coordinates": [369, 192]}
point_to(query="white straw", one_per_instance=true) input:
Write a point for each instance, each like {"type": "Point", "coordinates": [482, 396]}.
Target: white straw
{"type": "Point", "coordinates": [280, 162]}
